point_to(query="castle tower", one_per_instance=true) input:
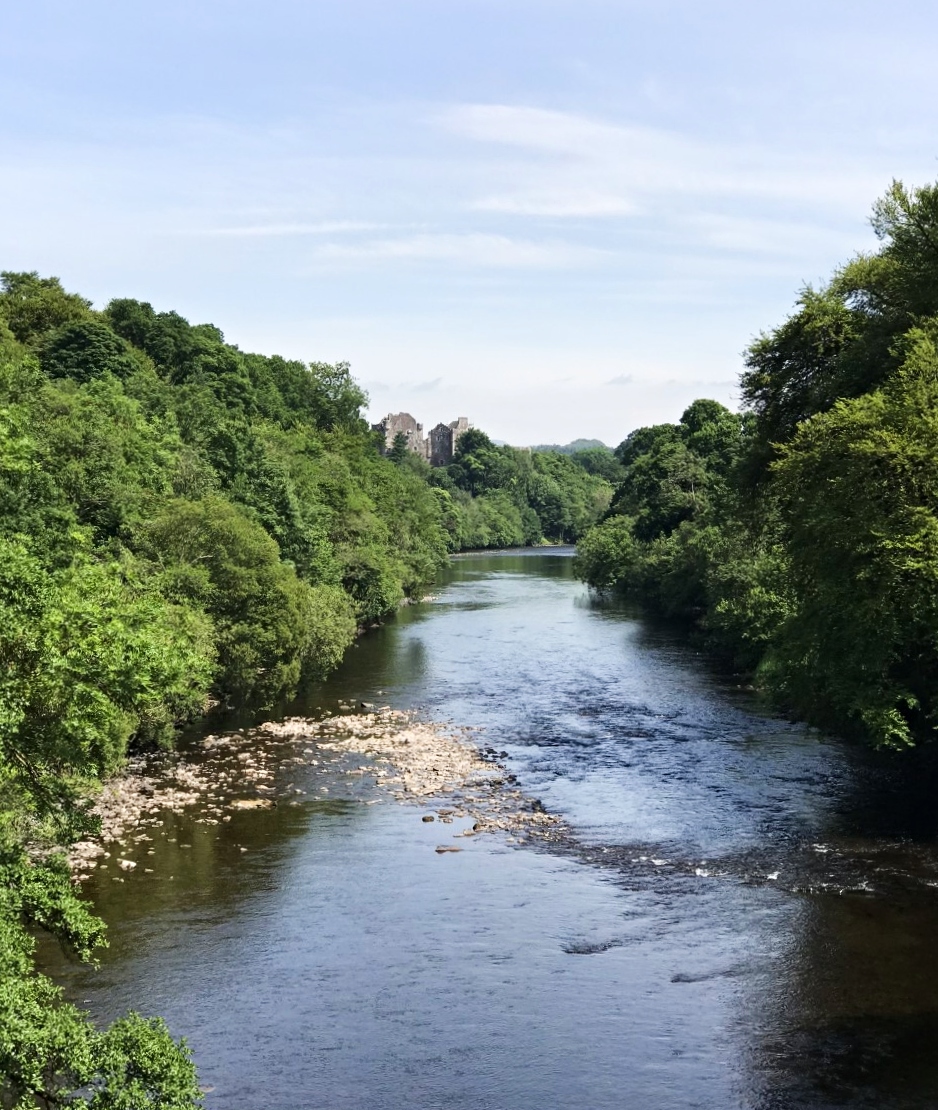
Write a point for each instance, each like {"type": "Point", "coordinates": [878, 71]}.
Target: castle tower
{"type": "Point", "coordinates": [397, 422]}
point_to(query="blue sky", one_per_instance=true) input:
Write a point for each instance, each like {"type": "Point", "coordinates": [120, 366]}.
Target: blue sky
{"type": "Point", "coordinates": [556, 218]}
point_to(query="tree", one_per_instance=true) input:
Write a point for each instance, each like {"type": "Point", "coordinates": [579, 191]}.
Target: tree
{"type": "Point", "coordinates": [799, 369]}
{"type": "Point", "coordinates": [399, 448]}
{"type": "Point", "coordinates": [84, 350]}
{"type": "Point", "coordinates": [859, 485]}
{"type": "Point", "coordinates": [601, 462]}
{"type": "Point", "coordinates": [606, 556]}
{"type": "Point", "coordinates": [177, 519]}
{"type": "Point", "coordinates": [337, 399]}
{"type": "Point", "coordinates": [86, 662]}
{"type": "Point", "coordinates": [270, 626]}
{"type": "Point", "coordinates": [33, 306]}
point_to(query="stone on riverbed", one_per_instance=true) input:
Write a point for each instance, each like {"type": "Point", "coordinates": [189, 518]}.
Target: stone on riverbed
{"type": "Point", "coordinates": [409, 760]}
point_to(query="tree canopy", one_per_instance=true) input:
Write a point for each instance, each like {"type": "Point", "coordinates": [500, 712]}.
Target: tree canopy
{"type": "Point", "coordinates": [802, 537]}
{"type": "Point", "coordinates": [179, 522]}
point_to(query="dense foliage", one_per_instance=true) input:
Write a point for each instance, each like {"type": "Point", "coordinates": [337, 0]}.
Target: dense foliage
{"type": "Point", "coordinates": [179, 521]}
{"type": "Point", "coordinates": [499, 496]}
{"type": "Point", "coordinates": [803, 537]}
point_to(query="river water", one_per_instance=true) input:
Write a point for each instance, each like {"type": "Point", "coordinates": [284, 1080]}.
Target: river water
{"type": "Point", "coordinates": [745, 913]}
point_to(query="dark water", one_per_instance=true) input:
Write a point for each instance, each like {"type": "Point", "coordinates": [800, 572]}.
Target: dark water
{"type": "Point", "coordinates": [747, 915]}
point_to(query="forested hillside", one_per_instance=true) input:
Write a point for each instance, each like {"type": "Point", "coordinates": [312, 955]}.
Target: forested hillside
{"type": "Point", "coordinates": [496, 496]}
{"type": "Point", "coordinates": [180, 522]}
{"type": "Point", "coordinates": [802, 537]}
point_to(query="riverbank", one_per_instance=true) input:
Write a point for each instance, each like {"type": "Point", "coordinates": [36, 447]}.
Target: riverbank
{"type": "Point", "coordinates": [409, 760]}
{"type": "Point", "coordinates": [738, 916]}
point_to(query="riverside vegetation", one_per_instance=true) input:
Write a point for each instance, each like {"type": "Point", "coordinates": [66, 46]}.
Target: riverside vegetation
{"type": "Point", "coordinates": [802, 537]}
{"type": "Point", "coordinates": [494, 495]}
{"type": "Point", "coordinates": [182, 524]}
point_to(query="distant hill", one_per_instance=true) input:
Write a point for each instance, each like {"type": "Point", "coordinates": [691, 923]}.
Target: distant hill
{"type": "Point", "coordinates": [570, 448]}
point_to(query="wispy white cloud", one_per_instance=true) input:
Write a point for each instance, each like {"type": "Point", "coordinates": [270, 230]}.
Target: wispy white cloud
{"type": "Point", "coordinates": [426, 386]}
{"type": "Point", "coordinates": [326, 227]}
{"type": "Point", "coordinates": [557, 203]}
{"type": "Point", "coordinates": [769, 236]}
{"type": "Point", "coordinates": [535, 128]}
{"type": "Point", "coordinates": [565, 164]}
{"type": "Point", "coordinates": [471, 249]}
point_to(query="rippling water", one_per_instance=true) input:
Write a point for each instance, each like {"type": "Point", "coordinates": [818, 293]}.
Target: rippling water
{"type": "Point", "coordinates": [745, 916]}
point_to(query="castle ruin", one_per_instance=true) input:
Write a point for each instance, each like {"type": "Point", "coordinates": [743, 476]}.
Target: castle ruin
{"type": "Point", "coordinates": [437, 448]}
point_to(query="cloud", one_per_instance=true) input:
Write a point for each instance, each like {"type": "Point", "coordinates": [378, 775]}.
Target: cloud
{"type": "Point", "coordinates": [620, 379]}
{"type": "Point", "coordinates": [557, 203]}
{"type": "Point", "coordinates": [536, 128]}
{"type": "Point", "coordinates": [767, 236]}
{"type": "Point", "coordinates": [327, 227]}
{"type": "Point", "coordinates": [704, 383]}
{"type": "Point", "coordinates": [426, 386]}
{"type": "Point", "coordinates": [471, 249]}
{"type": "Point", "coordinates": [565, 164]}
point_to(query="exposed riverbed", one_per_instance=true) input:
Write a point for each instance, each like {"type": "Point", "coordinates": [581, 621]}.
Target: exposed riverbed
{"type": "Point", "coordinates": [663, 897]}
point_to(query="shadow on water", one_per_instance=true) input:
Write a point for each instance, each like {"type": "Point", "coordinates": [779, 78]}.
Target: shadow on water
{"type": "Point", "coordinates": [744, 915]}
{"type": "Point", "coordinates": [894, 795]}
{"type": "Point", "coordinates": [857, 1021]}
{"type": "Point", "coordinates": [823, 856]}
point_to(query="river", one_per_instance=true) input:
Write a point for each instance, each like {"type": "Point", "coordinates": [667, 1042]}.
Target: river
{"type": "Point", "coordinates": [744, 915]}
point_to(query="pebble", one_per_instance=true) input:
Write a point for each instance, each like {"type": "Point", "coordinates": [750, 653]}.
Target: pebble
{"type": "Point", "coordinates": [409, 759]}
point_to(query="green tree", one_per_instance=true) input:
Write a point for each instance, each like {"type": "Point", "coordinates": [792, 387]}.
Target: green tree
{"type": "Point", "coordinates": [177, 518]}
{"type": "Point", "coordinates": [32, 306]}
{"type": "Point", "coordinates": [86, 662]}
{"type": "Point", "coordinates": [399, 448]}
{"type": "Point", "coordinates": [600, 461]}
{"type": "Point", "coordinates": [270, 626]}
{"type": "Point", "coordinates": [859, 485]}
{"type": "Point", "coordinates": [86, 349]}
{"type": "Point", "coordinates": [606, 556]}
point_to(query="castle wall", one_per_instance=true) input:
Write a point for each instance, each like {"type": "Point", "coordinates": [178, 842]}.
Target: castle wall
{"type": "Point", "coordinates": [437, 448]}
{"type": "Point", "coordinates": [395, 423]}
{"type": "Point", "coordinates": [441, 445]}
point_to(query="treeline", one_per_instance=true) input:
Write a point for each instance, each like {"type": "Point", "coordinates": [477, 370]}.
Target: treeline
{"type": "Point", "coordinates": [802, 536]}
{"type": "Point", "coordinates": [500, 496]}
{"type": "Point", "coordinates": [180, 523]}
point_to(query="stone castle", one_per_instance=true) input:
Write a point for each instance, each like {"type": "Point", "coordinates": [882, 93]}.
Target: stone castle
{"type": "Point", "coordinates": [437, 448]}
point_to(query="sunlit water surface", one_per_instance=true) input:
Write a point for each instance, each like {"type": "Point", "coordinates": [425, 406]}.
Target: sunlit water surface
{"type": "Point", "coordinates": [746, 915]}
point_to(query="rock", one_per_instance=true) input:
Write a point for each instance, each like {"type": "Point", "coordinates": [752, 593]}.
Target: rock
{"type": "Point", "coordinates": [126, 864]}
{"type": "Point", "coordinates": [441, 848]}
{"type": "Point", "coordinates": [427, 817]}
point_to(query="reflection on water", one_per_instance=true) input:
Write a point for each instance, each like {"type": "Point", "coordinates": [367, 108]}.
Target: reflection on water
{"type": "Point", "coordinates": [746, 916]}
